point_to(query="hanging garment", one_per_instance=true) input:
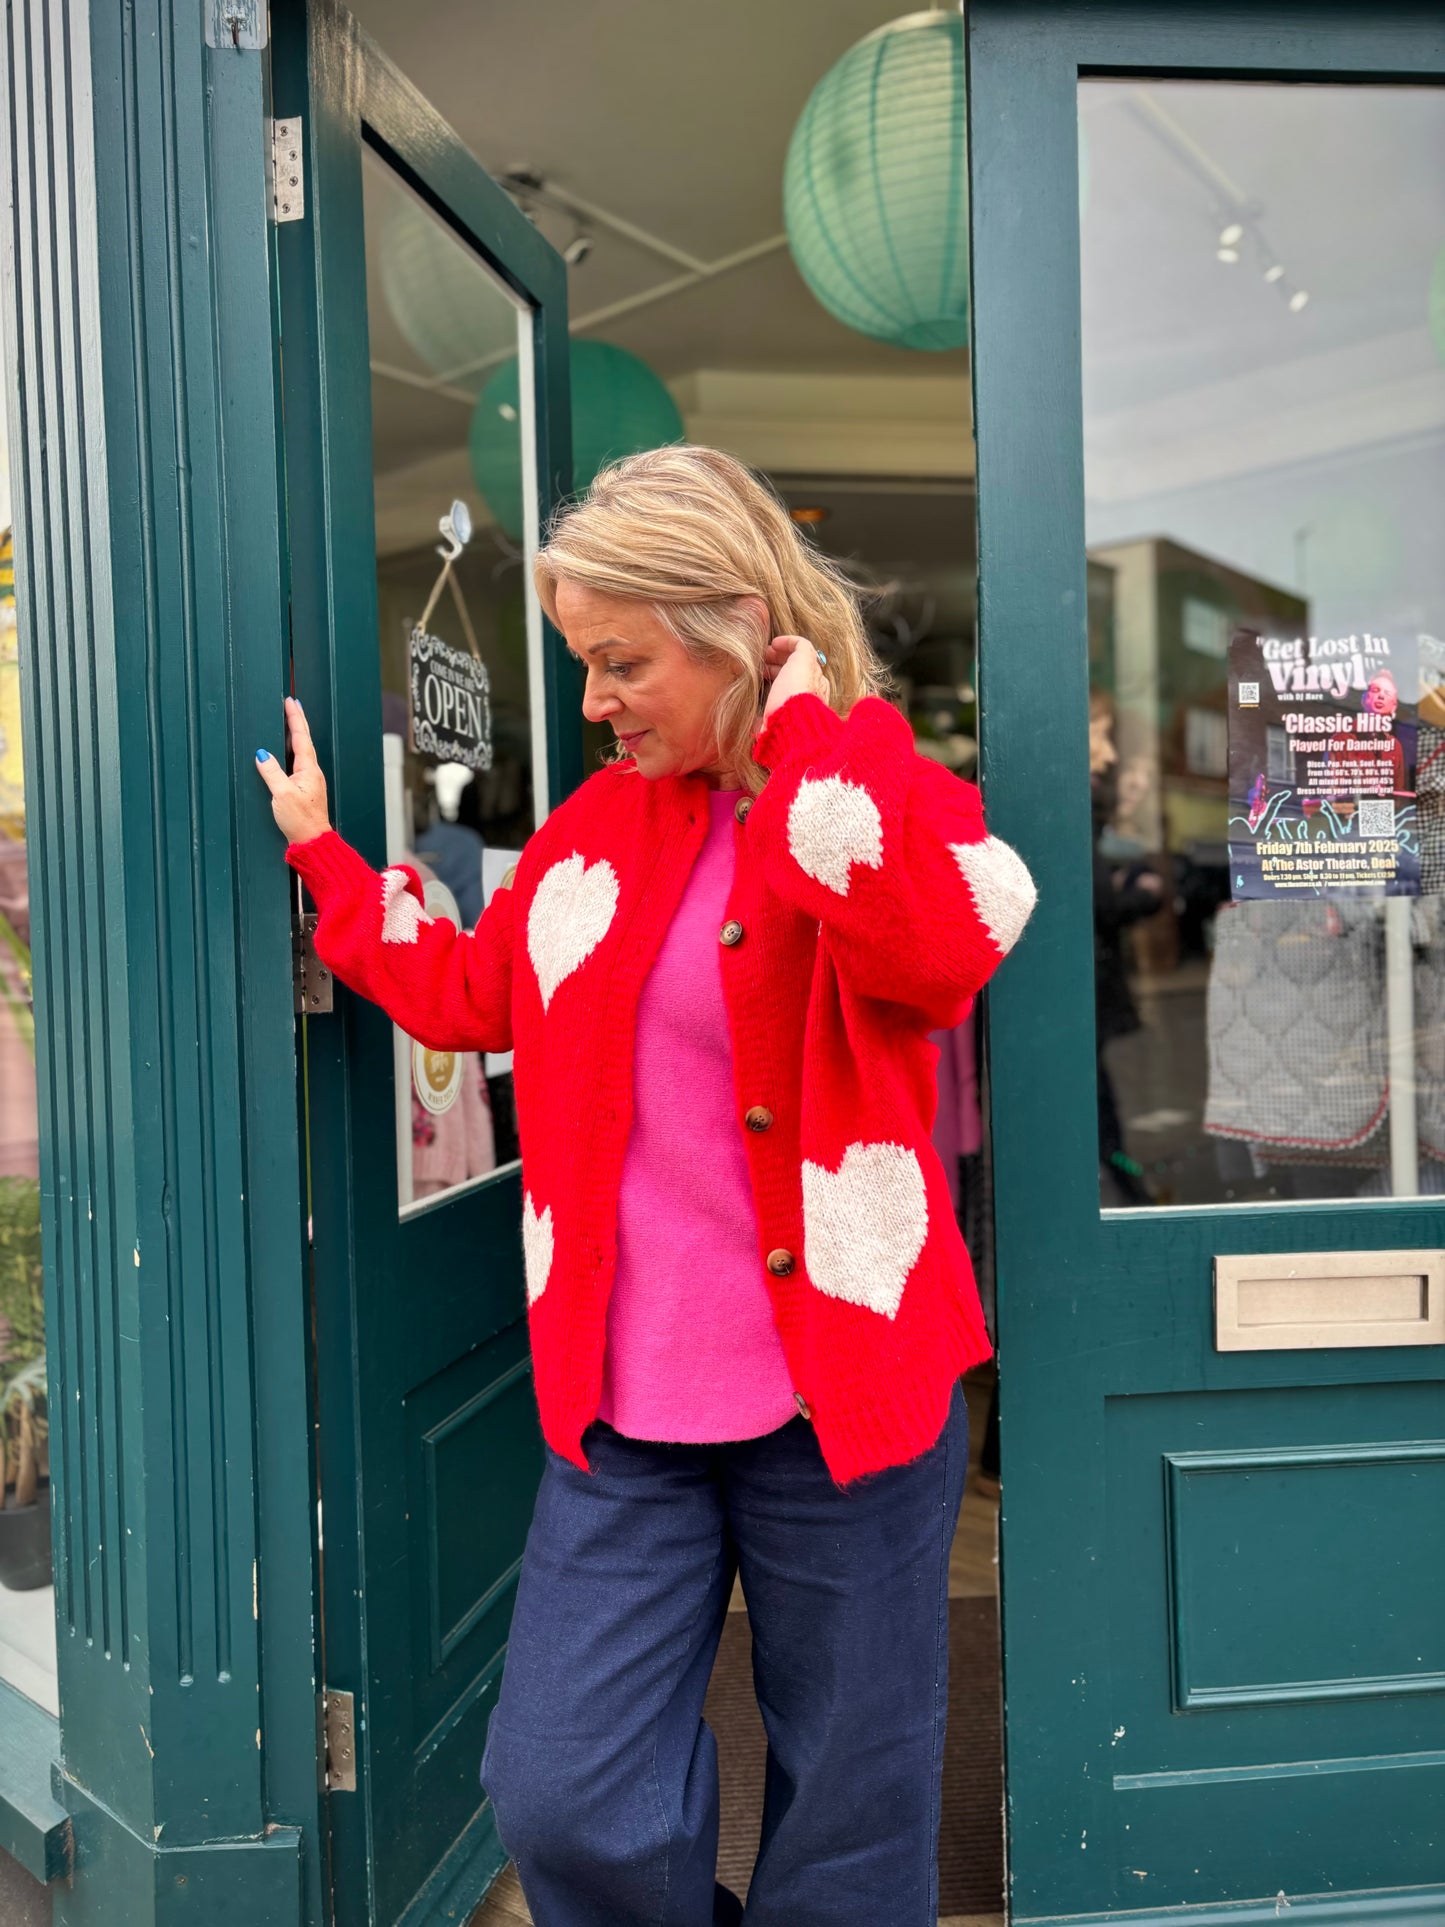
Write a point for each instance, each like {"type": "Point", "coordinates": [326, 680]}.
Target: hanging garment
{"type": "Point", "coordinates": [1296, 1027]}
{"type": "Point", "coordinates": [1430, 809]}
{"type": "Point", "coordinates": [452, 1146]}
{"type": "Point", "coordinates": [958, 1124]}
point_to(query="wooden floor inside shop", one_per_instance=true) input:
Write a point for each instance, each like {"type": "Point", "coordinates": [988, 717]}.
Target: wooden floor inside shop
{"type": "Point", "coordinates": [972, 1574]}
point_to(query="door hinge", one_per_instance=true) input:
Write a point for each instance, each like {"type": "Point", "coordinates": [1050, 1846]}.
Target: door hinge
{"type": "Point", "coordinates": [310, 979]}
{"type": "Point", "coordinates": [288, 182]}
{"type": "Point", "coordinates": [339, 1712]}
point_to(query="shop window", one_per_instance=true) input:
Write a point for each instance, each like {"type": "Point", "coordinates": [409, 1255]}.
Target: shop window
{"type": "Point", "coordinates": [27, 1599]}
{"type": "Point", "coordinates": [1206, 628]}
{"type": "Point", "coordinates": [1264, 441]}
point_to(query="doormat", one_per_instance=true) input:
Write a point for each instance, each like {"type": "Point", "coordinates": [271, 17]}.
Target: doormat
{"type": "Point", "coordinates": [970, 1846]}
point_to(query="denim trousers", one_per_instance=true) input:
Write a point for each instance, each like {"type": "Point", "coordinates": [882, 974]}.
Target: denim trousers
{"type": "Point", "coordinates": [601, 1769]}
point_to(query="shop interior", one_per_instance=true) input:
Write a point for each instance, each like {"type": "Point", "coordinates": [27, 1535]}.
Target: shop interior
{"type": "Point", "coordinates": [1264, 414]}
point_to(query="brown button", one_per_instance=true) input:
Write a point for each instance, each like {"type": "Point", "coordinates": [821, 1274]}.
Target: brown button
{"type": "Point", "coordinates": [780, 1263]}
{"type": "Point", "coordinates": [758, 1118]}
{"type": "Point", "coordinates": [741, 808]}
{"type": "Point", "coordinates": [731, 933]}
{"type": "Point", "coordinates": [803, 1405]}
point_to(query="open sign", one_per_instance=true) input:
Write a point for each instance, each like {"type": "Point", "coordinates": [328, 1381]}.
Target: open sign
{"type": "Point", "coordinates": [451, 702]}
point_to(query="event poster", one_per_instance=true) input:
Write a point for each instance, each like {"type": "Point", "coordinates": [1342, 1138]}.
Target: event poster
{"type": "Point", "coordinates": [1322, 766]}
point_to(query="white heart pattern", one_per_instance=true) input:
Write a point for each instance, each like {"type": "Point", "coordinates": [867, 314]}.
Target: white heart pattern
{"type": "Point", "coordinates": [401, 915]}
{"type": "Point", "coordinates": [1002, 889]}
{"type": "Point", "coordinates": [833, 824]}
{"type": "Point", "coordinates": [537, 1245]}
{"type": "Point", "coordinates": [865, 1224]}
{"type": "Point", "coordinates": [570, 915]}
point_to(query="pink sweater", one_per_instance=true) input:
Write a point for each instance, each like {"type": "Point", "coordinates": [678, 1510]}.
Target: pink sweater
{"type": "Point", "coordinates": [692, 1352]}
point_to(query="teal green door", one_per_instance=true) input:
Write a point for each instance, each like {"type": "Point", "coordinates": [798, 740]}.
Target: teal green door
{"type": "Point", "coordinates": [421, 314]}
{"type": "Point", "coordinates": [1210, 407]}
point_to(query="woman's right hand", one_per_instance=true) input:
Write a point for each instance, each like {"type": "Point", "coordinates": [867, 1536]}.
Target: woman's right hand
{"type": "Point", "coordinates": [298, 801]}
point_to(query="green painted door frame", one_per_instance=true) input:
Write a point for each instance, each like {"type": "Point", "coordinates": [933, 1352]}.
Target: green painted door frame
{"type": "Point", "coordinates": [141, 371]}
{"type": "Point", "coordinates": [1124, 1430]}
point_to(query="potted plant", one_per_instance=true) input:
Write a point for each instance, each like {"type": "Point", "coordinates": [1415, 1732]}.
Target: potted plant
{"type": "Point", "coordinates": [25, 1482]}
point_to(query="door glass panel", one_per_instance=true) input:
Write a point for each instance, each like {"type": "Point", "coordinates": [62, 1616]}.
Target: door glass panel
{"type": "Point", "coordinates": [460, 648]}
{"type": "Point", "coordinates": [1263, 307]}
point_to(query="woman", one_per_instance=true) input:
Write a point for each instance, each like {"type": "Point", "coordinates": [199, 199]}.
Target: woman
{"type": "Point", "coordinates": [749, 1302]}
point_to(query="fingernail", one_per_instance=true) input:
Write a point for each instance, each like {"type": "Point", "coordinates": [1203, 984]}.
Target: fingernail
{"type": "Point", "coordinates": [263, 755]}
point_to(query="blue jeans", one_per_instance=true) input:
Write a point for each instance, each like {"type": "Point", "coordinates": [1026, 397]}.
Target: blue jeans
{"type": "Point", "coordinates": [602, 1772]}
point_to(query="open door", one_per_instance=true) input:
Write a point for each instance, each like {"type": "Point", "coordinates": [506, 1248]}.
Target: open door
{"type": "Point", "coordinates": [1210, 410]}
{"type": "Point", "coordinates": [411, 287]}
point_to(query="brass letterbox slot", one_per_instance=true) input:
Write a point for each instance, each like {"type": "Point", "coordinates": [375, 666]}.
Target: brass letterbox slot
{"type": "Point", "coordinates": [1312, 1300]}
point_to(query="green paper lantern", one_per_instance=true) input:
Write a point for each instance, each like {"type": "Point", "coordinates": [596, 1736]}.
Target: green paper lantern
{"type": "Point", "coordinates": [875, 188]}
{"type": "Point", "coordinates": [450, 311]}
{"type": "Point", "coordinates": [619, 407]}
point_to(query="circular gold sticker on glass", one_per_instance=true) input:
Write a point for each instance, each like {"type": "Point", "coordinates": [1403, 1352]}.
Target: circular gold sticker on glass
{"type": "Point", "coordinates": [436, 1076]}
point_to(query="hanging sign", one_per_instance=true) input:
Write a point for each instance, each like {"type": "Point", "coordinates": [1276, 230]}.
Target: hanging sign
{"type": "Point", "coordinates": [451, 702]}
{"type": "Point", "coordinates": [1322, 766]}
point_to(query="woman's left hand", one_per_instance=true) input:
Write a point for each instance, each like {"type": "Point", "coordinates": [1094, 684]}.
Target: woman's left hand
{"type": "Point", "coordinates": [792, 668]}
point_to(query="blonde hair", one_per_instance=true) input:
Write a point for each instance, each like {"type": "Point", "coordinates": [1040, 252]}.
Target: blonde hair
{"type": "Point", "coordinates": [693, 533]}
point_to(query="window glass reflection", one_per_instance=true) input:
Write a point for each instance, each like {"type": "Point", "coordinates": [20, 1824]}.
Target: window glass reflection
{"type": "Point", "coordinates": [459, 644]}
{"type": "Point", "coordinates": [1263, 306]}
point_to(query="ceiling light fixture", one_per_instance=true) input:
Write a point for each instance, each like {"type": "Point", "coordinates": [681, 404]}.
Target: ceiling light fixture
{"type": "Point", "coordinates": [1274, 273]}
{"type": "Point", "coordinates": [1231, 236]}
{"type": "Point", "coordinates": [1298, 300]}
{"type": "Point", "coordinates": [1227, 254]}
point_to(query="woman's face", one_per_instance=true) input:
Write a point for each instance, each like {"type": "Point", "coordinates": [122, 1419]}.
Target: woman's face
{"type": "Point", "coordinates": [657, 697]}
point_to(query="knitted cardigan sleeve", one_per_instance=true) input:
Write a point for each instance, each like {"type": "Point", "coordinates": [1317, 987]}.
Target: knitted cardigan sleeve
{"type": "Point", "coordinates": [448, 990]}
{"type": "Point", "coordinates": [918, 904]}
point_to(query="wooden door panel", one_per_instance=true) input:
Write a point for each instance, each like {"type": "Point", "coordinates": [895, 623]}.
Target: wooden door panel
{"type": "Point", "coordinates": [473, 1458]}
{"type": "Point", "coordinates": [474, 1450]}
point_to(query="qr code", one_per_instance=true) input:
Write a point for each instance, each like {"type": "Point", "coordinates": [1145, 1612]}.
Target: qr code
{"type": "Point", "coordinates": [1249, 695]}
{"type": "Point", "coordinates": [1377, 816]}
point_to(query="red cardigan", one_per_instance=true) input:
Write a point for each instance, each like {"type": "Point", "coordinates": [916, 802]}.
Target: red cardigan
{"type": "Point", "coordinates": [869, 904]}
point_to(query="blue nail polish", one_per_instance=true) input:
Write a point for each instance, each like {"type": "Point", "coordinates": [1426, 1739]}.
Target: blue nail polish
{"type": "Point", "coordinates": [263, 755]}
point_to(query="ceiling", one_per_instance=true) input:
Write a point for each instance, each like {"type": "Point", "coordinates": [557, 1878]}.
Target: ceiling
{"type": "Point", "coordinates": [674, 117]}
